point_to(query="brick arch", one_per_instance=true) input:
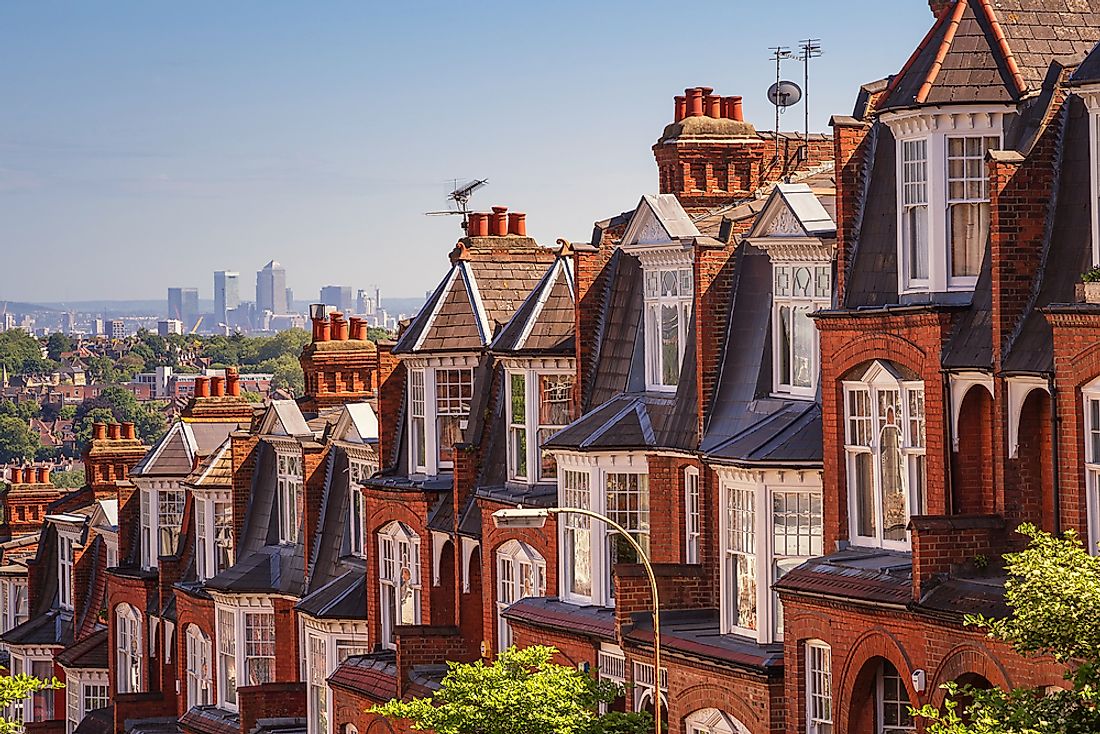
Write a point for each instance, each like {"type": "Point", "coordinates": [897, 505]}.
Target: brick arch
{"type": "Point", "coordinates": [973, 481]}
{"type": "Point", "coordinates": [968, 658]}
{"type": "Point", "coordinates": [380, 726]}
{"type": "Point", "coordinates": [886, 347]}
{"type": "Point", "coordinates": [874, 645]}
{"type": "Point", "coordinates": [711, 696]}
{"type": "Point", "coordinates": [401, 513]}
{"type": "Point", "coordinates": [809, 626]}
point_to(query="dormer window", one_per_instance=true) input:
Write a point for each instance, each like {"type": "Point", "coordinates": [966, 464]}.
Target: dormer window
{"type": "Point", "coordinates": [800, 290]}
{"type": "Point", "coordinates": [539, 405]}
{"type": "Point", "coordinates": [668, 301]}
{"type": "Point", "coordinates": [439, 407]}
{"type": "Point", "coordinates": [289, 496]}
{"type": "Point", "coordinates": [358, 472]}
{"type": "Point", "coordinates": [943, 196]}
{"type": "Point", "coordinates": [65, 571]}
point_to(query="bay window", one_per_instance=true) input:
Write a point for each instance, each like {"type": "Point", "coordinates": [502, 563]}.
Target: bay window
{"type": "Point", "coordinates": [614, 487]}
{"type": "Point", "coordinates": [521, 572]}
{"type": "Point", "coordinates": [227, 658]}
{"type": "Point", "coordinates": [246, 647]}
{"type": "Point", "coordinates": [85, 691]}
{"type": "Point", "coordinates": [259, 648]}
{"type": "Point", "coordinates": [692, 528]}
{"type": "Point", "coordinates": [128, 649]}
{"type": "Point", "coordinates": [199, 679]}
{"type": "Point", "coordinates": [439, 408]}
{"type": "Point", "coordinates": [1091, 397]}
{"type": "Point", "coordinates": [539, 405]}
{"type": "Point", "coordinates": [161, 517]}
{"type": "Point", "coordinates": [800, 290]}
{"type": "Point", "coordinates": [819, 688]}
{"type": "Point", "coordinates": [771, 523]}
{"type": "Point", "coordinates": [399, 577]}
{"type": "Point", "coordinates": [325, 646]}
{"type": "Point", "coordinates": [885, 449]}
{"type": "Point", "coordinates": [213, 533]}
{"type": "Point", "coordinates": [289, 495]}
{"type": "Point", "coordinates": [316, 672]}
{"type": "Point", "coordinates": [668, 294]}
{"type": "Point", "coordinates": [943, 210]}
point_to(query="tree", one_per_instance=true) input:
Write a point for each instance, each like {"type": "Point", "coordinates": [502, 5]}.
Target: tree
{"type": "Point", "coordinates": [17, 441]}
{"type": "Point", "coordinates": [16, 688]}
{"type": "Point", "coordinates": [24, 410]}
{"type": "Point", "coordinates": [522, 692]}
{"type": "Point", "coordinates": [287, 371]}
{"type": "Point", "coordinates": [57, 344]}
{"type": "Point", "coordinates": [119, 404]}
{"type": "Point", "coordinates": [1054, 593]}
{"type": "Point", "coordinates": [21, 354]}
{"type": "Point", "coordinates": [67, 479]}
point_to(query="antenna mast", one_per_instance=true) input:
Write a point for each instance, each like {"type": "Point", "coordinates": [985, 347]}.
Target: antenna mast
{"type": "Point", "coordinates": [809, 49]}
{"type": "Point", "coordinates": [461, 197]}
{"type": "Point", "coordinates": [779, 55]}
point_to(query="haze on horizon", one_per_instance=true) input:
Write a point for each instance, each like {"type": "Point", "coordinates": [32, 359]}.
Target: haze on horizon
{"type": "Point", "coordinates": [146, 145]}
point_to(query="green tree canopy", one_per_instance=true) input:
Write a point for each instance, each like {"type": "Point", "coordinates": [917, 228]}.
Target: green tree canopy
{"type": "Point", "coordinates": [24, 410]}
{"type": "Point", "coordinates": [15, 688]}
{"type": "Point", "coordinates": [21, 354]}
{"type": "Point", "coordinates": [58, 343]}
{"type": "Point", "coordinates": [117, 403]}
{"type": "Point", "coordinates": [67, 479]}
{"type": "Point", "coordinates": [521, 692]}
{"type": "Point", "coordinates": [1054, 594]}
{"type": "Point", "coordinates": [17, 441]}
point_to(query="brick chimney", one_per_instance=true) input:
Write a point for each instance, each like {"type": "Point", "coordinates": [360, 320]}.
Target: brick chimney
{"type": "Point", "coordinates": [340, 364]}
{"type": "Point", "coordinates": [217, 399]}
{"type": "Point", "coordinates": [110, 456]}
{"type": "Point", "coordinates": [940, 6]}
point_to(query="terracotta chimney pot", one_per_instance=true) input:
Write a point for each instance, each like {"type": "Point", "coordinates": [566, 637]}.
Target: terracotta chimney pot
{"type": "Point", "coordinates": [28, 475]}
{"type": "Point", "coordinates": [339, 327]}
{"type": "Point", "coordinates": [114, 431]}
{"type": "Point", "coordinates": [479, 225]}
{"type": "Point", "coordinates": [694, 102]}
{"type": "Point", "coordinates": [43, 475]}
{"type": "Point", "coordinates": [128, 432]}
{"type": "Point", "coordinates": [517, 224]}
{"type": "Point", "coordinates": [217, 387]}
{"type": "Point", "coordinates": [498, 224]}
{"type": "Point", "coordinates": [681, 107]}
{"type": "Point", "coordinates": [320, 330]}
{"type": "Point", "coordinates": [99, 431]}
{"type": "Point", "coordinates": [714, 107]}
{"type": "Point", "coordinates": [737, 109]}
{"type": "Point", "coordinates": [202, 386]}
{"type": "Point", "coordinates": [233, 382]}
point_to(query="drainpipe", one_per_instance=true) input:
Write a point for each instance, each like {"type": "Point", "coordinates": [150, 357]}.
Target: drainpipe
{"type": "Point", "coordinates": [1054, 455]}
{"type": "Point", "coordinates": [948, 484]}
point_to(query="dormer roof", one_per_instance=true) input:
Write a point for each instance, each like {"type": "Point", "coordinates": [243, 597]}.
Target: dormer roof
{"type": "Point", "coordinates": [284, 418]}
{"type": "Point", "coordinates": [659, 219]}
{"type": "Point", "coordinates": [793, 210]}
{"type": "Point", "coordinates": [993, 51]}
{"type": "Point", "coordinates": [545, 323]}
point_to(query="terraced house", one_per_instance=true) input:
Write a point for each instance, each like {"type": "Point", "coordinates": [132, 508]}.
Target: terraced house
{"type": "Point", "coordinates": [819, 379]}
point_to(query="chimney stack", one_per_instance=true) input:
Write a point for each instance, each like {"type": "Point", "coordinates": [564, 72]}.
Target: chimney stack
{"type": "Point", "coordinates": [233, 381]}
{"type": "Point", "coordinates": [202, 387]}
{"type": "Point", "coordinates": [217, 387]}
{"type": "Point", "coordinates": [128, 431]}
{"type": "Point", "coordinates": [498, 222]}
{"type": "Point", "coordinates": [114, 431]}
{"type": "Point", "coordinates": [517, 224]}
{"type": "Point", "coordinates": [99, 431]}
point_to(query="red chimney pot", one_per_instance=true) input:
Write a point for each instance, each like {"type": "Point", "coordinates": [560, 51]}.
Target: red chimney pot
{"type": "Point", "coordinates": [202, 387]}
{"type": "Point", "coordinates": [479, 225]}
{"type": "Point", "coordinates": [217, 387]}
{"type": "Point", "coordinates": [99, 431]}
{"type": "Point", "coordinates": [114, 431]}
{"type": "Point", "coordinates": [714, 106]}
{"type": "Point", "coordinates": [233, 382]}
{"type": "Point", "coordinates": [498, 222]}
{"type": "Point", "coordinates": [128, 431]}
{"type": "Point", "coordinates": [737, 109]}
{"type": "Point", "coordinates": [517, 224]}
{"type": "Point", "coordinates": [43, 475]}
{"type": "Point", "coordinates": [694, 102]}
{"type": "Point", "coordinates": [28, 475]}
{"type": "Point", "coordinates": [339, 327]}
{"type": "Point", "coordinates": [681, 107]}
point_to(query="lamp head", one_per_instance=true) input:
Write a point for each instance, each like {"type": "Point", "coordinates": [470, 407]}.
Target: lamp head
{"type": "Point", "coordinates": [520, 517]}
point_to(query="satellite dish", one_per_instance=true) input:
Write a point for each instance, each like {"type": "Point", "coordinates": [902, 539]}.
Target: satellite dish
{"type": "Point", "coordinates": [785, 94]}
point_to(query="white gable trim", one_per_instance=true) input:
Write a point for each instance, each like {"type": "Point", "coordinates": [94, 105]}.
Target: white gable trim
{"type": "Point", "coordinates": [475, 299]}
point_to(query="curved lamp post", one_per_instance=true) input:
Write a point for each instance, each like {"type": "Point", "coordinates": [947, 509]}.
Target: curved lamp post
{"type": "Point", "coordinates": [536, 517]}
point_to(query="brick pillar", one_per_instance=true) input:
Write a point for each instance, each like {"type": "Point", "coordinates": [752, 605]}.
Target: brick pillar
{"type": "Point", "coordinates": [713, 275]}
{"type": "Point", "coordinates": [590, 275]}
{"type": "Point", "coordinates": [243, 451]}
{"type": "Point", "coordinates": [391, 390]}
{"type": "Point", "coordinates": [315, 468]}
{"type": "Point", "coordinates": [850, 141]}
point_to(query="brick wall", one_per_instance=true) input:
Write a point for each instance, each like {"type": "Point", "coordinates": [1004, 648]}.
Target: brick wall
{"type": "Point", "coordinates": [242, 448]}
{"type": "Point", "coordinates": [198, 611]}
{"type": "Point", "coordinates": [411, 508]}
{"type": "Point", "coordinates": [973, 479]}
{"type": "Point", "coordinates": [270, 701]}
{"type": "Point", "coordinates": [591, 274]}
{"type": "Point", "coordinates": [288, 657]}
{"type": "Point", "coordinates": [943, 545]}
{"type": "Point", "coordinates": [850, 141]}
{"type": "Point", "coordinates": [314, 468]}
{"type": "Point", "coordinates": [391, 393]}
{"type": "Point", "coordinates": [679, 586]}
{"type": "Point", "coordinates": [427, 645]}
{"type": "Point", "coordinates": [713, 272]}
{"type": "Point", "coordinates": [756, 700]}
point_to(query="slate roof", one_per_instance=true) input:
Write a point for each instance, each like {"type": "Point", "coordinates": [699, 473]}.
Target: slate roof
{"type": "Point", "coordinates": [1088, 71]}
{"type": "Point", "coordinates": [211, 720]}
{"type": "Point", "coordinates": [961, 596]}
{"type": "Point", "coordinates": [345, 597]}
{"type": "Point", "coordinates": [619, 335]}
{"type": "Point", "coordinates": [993, 52]}
{"type": "Point", "coordinates": [698, 633]}
{"type": "Point", "coordinates": [860, 574]}
{"type": "Point", "coordinates": [91, 652]}
{"type": "Point", "coordinates": [46, 629]}
{"type": "Point", "coordinates": [100, 721]}
{"type": "Point", "coordinates": [176, 451]}
{"type": "Point", "coordinates": [545, 322]}
{"type": "Point", "coordinates": [373, 675]}
{"type": "Point", "coordinates": [215, 471]}
{"type": "Point", "coordinates": [551, 613]}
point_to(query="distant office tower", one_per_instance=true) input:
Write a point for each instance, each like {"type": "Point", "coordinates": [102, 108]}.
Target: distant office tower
{"type": "Point", "coordinates": [68, 322]}
{"type": "Point", "coordinates": [98, 329]}
{"type": "Point", "coordinates": [183, 305]}
{"type": "Point", "coordinates": [117, 329]}
{"type": "Point", "coordinates": [227, 293]}
{"type": "Point", "coordinates": [9, 321]}
{"type": "Point", "coordinates": [337, 296]}
{"type": "Point", "coordinates": [169, 327]}
{"type": "Point", "coordinates": [289, 300]}
{"type": "Point", "coordinates": [271, 289]}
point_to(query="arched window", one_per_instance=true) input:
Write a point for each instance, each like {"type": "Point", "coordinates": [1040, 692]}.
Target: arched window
{"type": "Point", "coordinates": [713, 721]}
{"type": "Point", "coordinates": [399, 578]}
{"type": "Point", "coordinates": [199, 679]}
{"type": "Point", "coordinates": [892, 702]}
{"type": "Point", "coordinates": [521, 572]}
{"type": "Point", "coordinates": [885, 447]}
{"type": "Point", "coordinates": [819, 688]}
{"type": "Point", "coordinates": [128, 650]}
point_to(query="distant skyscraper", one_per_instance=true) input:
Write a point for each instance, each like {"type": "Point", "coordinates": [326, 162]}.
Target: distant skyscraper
{"type": "Point", "coordinates": [271, 289]}
{"type": "Point", "coordinates": [68, 322]}
{"type": "Point", "coordinates": [183, 305]}
{"type": "Point", "coordinates": [227, 293]}
{"type": "Point", "coordinates": [169, 327]}
{"type": "Point", "coordinates": [337, 296]}
{"type": "Point", "coordinates": [289, 300]}
{"type": "Point", "coordinates": [117, 329]}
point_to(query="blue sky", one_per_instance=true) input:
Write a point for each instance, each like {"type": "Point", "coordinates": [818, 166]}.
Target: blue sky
{"type": "Point", "coordinates": [145, 144]}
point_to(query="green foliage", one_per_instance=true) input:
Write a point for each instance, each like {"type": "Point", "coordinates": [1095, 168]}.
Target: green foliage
{"type": "Point", "coordinates": [119, 404]}
{"type": "Point", "coordinates": [57, 343]}
{"type": "Point", "coordinates": [1091, 276]}
{"type": "Point", "coordinates": [23, 410]}
{"type": "Point", "coordinates": [14, 688]}
{"type": "Point", "coordinates": [17, 441]}
{"type": "Point", "coordinates": [67, 479]}
{"type": "Point", "coordinates": [287, 373]}
{"type": "Point", "coordinates": [21, 354]}
{"type": "Point", "coordinates": [1054, 594]}
{"type": "Point", "coordinates": [522, 692]}
{"type": "Point", "coordinates": [377, 333]}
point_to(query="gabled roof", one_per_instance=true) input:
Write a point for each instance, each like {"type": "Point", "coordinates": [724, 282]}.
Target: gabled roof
{"type": "Point", "coordinates": [90, 652]}
{"type": "Point", "coordinates": [175, 453]}
{"type": "Point", "coordinates": [659, 219]}
{"type": "Point", "coordinates": [284, 418]}
{"type": "Point", "coordinates": [215, 470]}
{"type": "Point", "coordinates": [545, 323]}
{"type": "Point", "coordinates": [793, 210]}
{"type": "Point", "coordinates": [357, 423]}
{"type": "Point", "coordinates": [993, 51]}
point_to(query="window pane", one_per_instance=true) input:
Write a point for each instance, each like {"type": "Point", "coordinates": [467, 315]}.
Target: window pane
{"type": "Point", "coordinates": [802, 354]}
{"type": "Point", "coordinates": [968, 226]}
{"type": "Point", "coordinates": [895, 507]}
{"type": "Point", "coordinates": [864, 490]}
{"type": "Point", "coordinates": [259, 648]}
{"type": "Point", "coordinates": [670, 345]}
{"type": "Point", "coordinates": [518, 392]}
{"type": "Point", "coordinates": [785, 337]}
{"type": "Point", "coordinates": [575, 493]}
{"type": "Point", "coordinates": [555, 400]}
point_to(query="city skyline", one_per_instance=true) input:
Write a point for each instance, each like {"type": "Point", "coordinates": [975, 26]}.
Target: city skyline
{"type": "Point", "coordinates": [265, 144]}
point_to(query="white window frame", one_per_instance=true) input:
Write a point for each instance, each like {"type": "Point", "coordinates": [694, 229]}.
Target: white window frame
{"type": "Point", "coordinates": [317, 671]}
{"type": "Point", "coordinates": [395, 541]}
{"type": "Point", "coordinates": [150, 493]}
{"type": "Point", "coordinates": [968, 281]}
{"type": "Point", "coordinates": [819, 687]}
{"type": "Point", "coordinates": [878, 379]}
{"type": "Point", "coordinates": [84, 686]}
{"type": "Point", "coordinates": [654, 302]}
{"type": "Point", "coordinates": [528, 425]}
{"type": "Point", "coordinates": [66, 545]}
{"type": "Point", "coordinates": [14, 603]}
{"type": "Point", "coordinates": [208, 541]}
{"type": "Point", "coordinates": [128, 649]}
{"type": "Point", "coordinates": [713, 721]}
{"type": "Point", "coordinates": [758, 541]}
{"type": "Point", "coordinates": [339, 640]}
{"type": "Point", "coordinates": [818, 296]}
{"type": "Point", "coordinates": [198, 666]}
{"type": "Point", "coordinates": [290, 489]}
{"type": "Point", "coordinates": [900, 705]}
{"type": "Point", "coordinates": [693, 504]}
{"type": "Point", "coordinates": [521, 572]}
{"type": "Point", "coordinates": [245, 633]}
{"type": "Point", "coordinates": [1090, 396]}
{"type": "Point", "coordinates": [1092, 99]}
{"type": "Point", "coordinates": [598, 469]}
{"type": "Point", "coordinates": [357, 522]}
{"type": "Point", "coordinates": [643, 686]}
{"type": "Point", "coordinates": [935, 126]}
{"type": "Point", "coordinates": [423, 408]}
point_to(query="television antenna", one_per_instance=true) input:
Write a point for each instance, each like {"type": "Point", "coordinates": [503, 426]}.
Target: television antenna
{"type": "Point", "coordinates": [461, 198]}
{"type": "Point", "coordinates": [808, 50]}
{"type": "Point", "coordinates": [779, 55]}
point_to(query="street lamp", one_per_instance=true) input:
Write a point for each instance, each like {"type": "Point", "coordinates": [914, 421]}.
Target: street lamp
{"type": "Point", "coordinates": [523, 517]}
